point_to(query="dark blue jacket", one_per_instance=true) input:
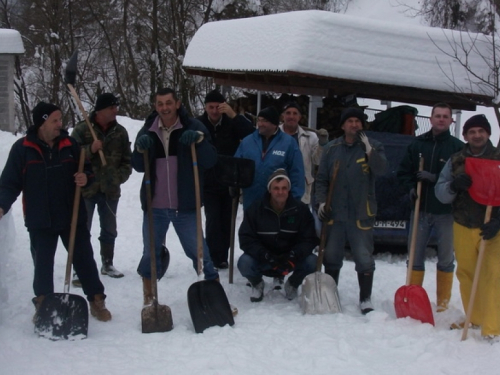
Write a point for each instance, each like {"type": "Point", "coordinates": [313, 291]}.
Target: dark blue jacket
{"type": "Point", "coordinates": [205, 152]}
{"type": "Point", "coordinates": [45, 176]}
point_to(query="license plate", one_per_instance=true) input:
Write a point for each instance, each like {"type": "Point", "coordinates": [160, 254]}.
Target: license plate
{"type": "Point", "coordinates": [395, 224]}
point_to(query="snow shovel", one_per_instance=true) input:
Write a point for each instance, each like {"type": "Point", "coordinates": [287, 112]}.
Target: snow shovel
{"type": "Point", "coordinates": [207, 301]}
{"type": "Point", "coordinates": [412, 300]}
{"type": "Point", "coordinates": [155, 317]}
{"type": "Point", "coordinates": [485, 190]}
{"type": "Point", "coordinates": [319, 291]}
{"type": "Point", "coordinates": [65, 315]}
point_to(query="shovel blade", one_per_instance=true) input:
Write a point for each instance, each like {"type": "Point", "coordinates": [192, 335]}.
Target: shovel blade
{"type": "Point", "coordinates": [156, 318]}
{"type": "Point", "coordinates": [412, 301]}
{"type": "Point", "coordinates": [62, 316]}
{"type": "Point", "coordinates": [208, 305]}
{"type": "Point", "coordinates": [319, 295]}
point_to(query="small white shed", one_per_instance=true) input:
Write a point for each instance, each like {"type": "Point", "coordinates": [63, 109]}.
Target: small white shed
{"type": "Point", "coordinates": [11, 44]}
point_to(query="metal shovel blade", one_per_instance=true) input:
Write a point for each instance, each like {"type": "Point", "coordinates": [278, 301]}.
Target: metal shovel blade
{"type": "Point", "coordinates": [319, 295]}
{"type": "Point", "coordinates": [156, 318]}
{"type": "Point", "coordinates": [62, 316]}
{"type": "Point", "coordinates": [412, 301]}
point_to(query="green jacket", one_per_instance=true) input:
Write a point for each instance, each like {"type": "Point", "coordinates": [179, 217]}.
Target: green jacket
{"type": "Point", "coordinates": [436, 150]}
{"type": "Point", "coordinates": [116, 148]}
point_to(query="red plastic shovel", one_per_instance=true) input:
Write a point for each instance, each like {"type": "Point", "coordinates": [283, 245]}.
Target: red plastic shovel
{"type": "Point", "coordinates": [412, 300]}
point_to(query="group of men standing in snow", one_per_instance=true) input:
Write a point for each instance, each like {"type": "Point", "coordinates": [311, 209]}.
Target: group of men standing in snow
{"type": "Point", "coordinates": [278, 234]}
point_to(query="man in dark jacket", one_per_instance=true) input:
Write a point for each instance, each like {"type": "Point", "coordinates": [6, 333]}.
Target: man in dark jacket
{"type": "Point", "coordinates": [436, 146]}
{"type": "Point", "coordinates": [226, 129]}
{"type": "Point", "coordinates": [167, 135]}
{"type": "Point", "coordinates": [43, 165]}
{"type": "Point", "coordinates": [277, 237]}
{"type": "Point", "coordinates": [112, 139]}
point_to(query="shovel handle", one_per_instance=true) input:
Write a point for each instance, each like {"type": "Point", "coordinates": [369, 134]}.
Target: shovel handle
{"type": "Point", "coordinates": [199, 233]}
{"type": "Point", "coordinates": [234, 212]}
{"type": "Point", "coordinates": [84, 113]}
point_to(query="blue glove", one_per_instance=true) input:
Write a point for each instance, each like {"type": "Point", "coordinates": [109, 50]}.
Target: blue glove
{"type": "Point", "coordinates": [144, 142]}
{"type": "Point", "coordinates": [190, 136]}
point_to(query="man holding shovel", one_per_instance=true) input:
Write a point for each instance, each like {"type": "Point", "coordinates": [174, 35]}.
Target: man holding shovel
{"type": "Point", "coordinates": [469, 228]}
{"type": "Point", "coordinates": [435, 147]}
{"type": "Point", "coordinates": [43, 166]}
{"type": "Point", "coordinates": [112, 139]}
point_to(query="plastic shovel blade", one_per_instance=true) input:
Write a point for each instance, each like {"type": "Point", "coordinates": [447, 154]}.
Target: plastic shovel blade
{"type": "Point", "coordinates": [319, 295]}
{"type": "Point", "coordinates": [208, 305]}
{"type": "Point", "coordinates": [412, 301]}
{"type": "Point", "coordinates": [62, 316]}
{"type": "Point", "coordinates": [485, 175]}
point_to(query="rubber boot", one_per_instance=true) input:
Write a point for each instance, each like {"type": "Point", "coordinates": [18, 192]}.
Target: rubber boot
{"type": "Point", "coordinates": [146, 290]}
{"type": "Point", "coordinates": [334, 274]}
{"type": "Point", "coordinates": [107, 254]}
{"type": "Point", "coordinates": [444, 282]}
{"type": "Point", "coordinates": [417, 277]}
{"type": "Point", "coordinates": [98, 308]}
{"type": "Point", "coordinates": [365, 280]}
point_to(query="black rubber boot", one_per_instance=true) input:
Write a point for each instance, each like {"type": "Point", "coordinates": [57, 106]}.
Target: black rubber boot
{"type": "Point", "coordinates": [365, 280]}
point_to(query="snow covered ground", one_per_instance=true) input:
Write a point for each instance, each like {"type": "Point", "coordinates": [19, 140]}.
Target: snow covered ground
{"type": "Point", "coordinates": [268, 337]}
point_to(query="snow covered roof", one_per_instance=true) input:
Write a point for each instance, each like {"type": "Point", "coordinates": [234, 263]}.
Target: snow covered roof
{"type": "Point", "coordinates": [11, 42]}
{"type": "Point", "coordinates": [325, 53]}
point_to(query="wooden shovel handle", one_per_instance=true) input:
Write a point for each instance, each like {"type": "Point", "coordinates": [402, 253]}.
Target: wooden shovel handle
{"type": "Point", "coordinates": [414, 229]}
{"type": "Point", "coordinates": [234, 212]}
{"type": "Point", "coordinates": [152, 250]}
{"type": "Point", "coordinates": [84, 113]}
{"type": "Point", "coordinates": [74, 222]}
{"type": "Point", "coordinates": [199, 233]}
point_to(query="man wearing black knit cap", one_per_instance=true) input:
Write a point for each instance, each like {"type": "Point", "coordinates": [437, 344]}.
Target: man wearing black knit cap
{"type": "Point", "coordinates": [469, 228]}
{"type": "Point", "coordinates": [271, 148]}
{"type": "Point", "coordinates": [43, 166]}
{"type": "Point", "coordinates": [113, 140]}
{"type": "Point", "coordinates": [227, 129]}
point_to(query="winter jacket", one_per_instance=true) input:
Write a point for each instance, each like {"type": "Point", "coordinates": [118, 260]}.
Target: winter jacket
{"type": "Point", "coordinates": [45, 176]}
{"type": "Point", "coordinates": [282, 152]}
{"type": "Point", "coordinates": [466, 211]}
{"type": "Point", "coordinates": [311, 156]}
{"type": "Point", "coordinates": [116, 149]}
{"type": "Point", "coordinates": [263, 230]}
{"type": "Point", "coordinates": [354, 189]}
{"type": "Point", "coordinates": [226, 137]}
{"type": "Point", "coordinates": [436, 150]}
{"type": "Point", "coordinates": [205, 152]}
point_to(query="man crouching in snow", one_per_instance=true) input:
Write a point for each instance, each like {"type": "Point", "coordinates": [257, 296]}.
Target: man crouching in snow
{"type": "Point", "coordinates": [43, 166]}
{"type": "Point", "coordinates": [277, 236]}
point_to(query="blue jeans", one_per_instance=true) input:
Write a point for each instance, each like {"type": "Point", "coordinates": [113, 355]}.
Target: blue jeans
{"type": "Point", "coordinates": [185, 226]}
{"type": "Point", "coordinates": [106, 208]}
{"type": "Point", "coordinates": [253, 270]}
{"type": "Point", "coordinates": [443, 225]}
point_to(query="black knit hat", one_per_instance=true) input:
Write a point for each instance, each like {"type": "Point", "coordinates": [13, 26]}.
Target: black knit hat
{"type": "Point", "coordinates": [292, 105]}
{"type": "Point", "coordinates": [42, 111]}
{"type": "Point", "coordinates": [214, 96]}
{"type": "Point", "coordinates": [278, 173]}
{"type": "Point", "coordinates": [352, 112]}
{"type": "Point", "coordinates": [271, 115]}
{"type": "Point", "coordinates": [477, 121]}
{"type": "Point", "coordinates": [105, 100]}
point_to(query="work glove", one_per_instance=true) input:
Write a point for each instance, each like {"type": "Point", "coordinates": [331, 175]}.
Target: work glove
{"type": "Point", "coordinates": [271, 259]}
{"type": "Point", "coordinates": [191, 136]}
{"type": "Point", "coordinates": [143, 143]}
{"type": "Point", "coordinates": [324, 212]}
{"type": "Point", "coordinates": [286, 263]}
{"type": "Point", "coordinates": [363, 138]}
{"type": "Point", "coordinates": [323, 137]}
{"type": "Point", "coordinates": [413, 196]}
{"type": "Point", "coordinates": [490, 229]}
{"type": "Point", "coordinates": [462, 182]}
{"type": "Point", "coordinates": [426, 176]}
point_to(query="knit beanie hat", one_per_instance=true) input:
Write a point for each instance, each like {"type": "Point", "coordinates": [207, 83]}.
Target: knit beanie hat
{"type": "Point", "coordinates": [214, 96]}
{"type": "Point", "coordinates": [271, 115]}
{"type": "Point", "coordinates": [352, 112]}
{"type": "Point", "coordinates": [479, 121]}
{"type": "Point", "coordinates": [278, 173]}
{"type": "Point", "coordinates": [292, 105]}
{"type": "Point", "coordinates": [41, 113]}
{"type": "Point", "coordinates": [105, 100]}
